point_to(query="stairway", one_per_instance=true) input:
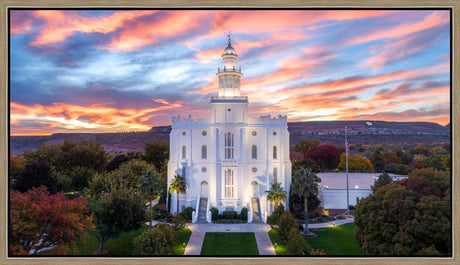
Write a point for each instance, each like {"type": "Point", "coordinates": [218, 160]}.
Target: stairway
{"type": "Point", "coordinates": [202, 211]}
{"type": "Point", "coordinates": [256, 217]}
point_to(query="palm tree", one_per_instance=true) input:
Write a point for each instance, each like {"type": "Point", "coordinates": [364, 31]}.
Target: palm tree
{"type": "Point", "coordinates": [304, 184]}
{"type": "Point", "coordinates": [150, 184]}
{"type": "Point", "coordinates": [276, 193]}
{"type": "Point", "coordinates": [179, 185]}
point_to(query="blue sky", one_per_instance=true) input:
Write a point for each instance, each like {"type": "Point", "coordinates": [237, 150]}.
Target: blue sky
{"type": "Point", "coordinates": [129, 70]}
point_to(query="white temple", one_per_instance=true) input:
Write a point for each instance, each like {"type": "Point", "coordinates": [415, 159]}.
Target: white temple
{"type": "Point", "coordinates": [229, 160]}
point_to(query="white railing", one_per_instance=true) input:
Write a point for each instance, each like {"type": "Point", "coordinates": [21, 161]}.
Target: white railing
{"type": "Point", "coordinates": [194, 216]}
{"type": "Point", "coordinates": [264, 217]}
{"type": "Point", "coordinates": [208, 212]}
{"type": "Point", "coordinates": [197, 210]}
{"type": "Point", "coordinates": [250, 212]}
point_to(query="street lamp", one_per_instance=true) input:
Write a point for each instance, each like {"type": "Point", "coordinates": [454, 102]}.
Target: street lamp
{"type": "Point", "coordinates": [183, 246]}
{"type": "Point", "coordinates": [276, 246]}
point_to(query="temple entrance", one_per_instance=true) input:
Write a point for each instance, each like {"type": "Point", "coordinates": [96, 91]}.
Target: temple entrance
{"type": "Point", "coordinates": [204, 189]}
{"type": "Point", "coordinates": [255, 189]}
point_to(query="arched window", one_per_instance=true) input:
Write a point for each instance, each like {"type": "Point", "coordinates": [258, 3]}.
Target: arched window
{"type": "Point", "coordinates": [204, 152]}
{"type": "Point", "coordinates": [229, 184]}
{"type": "Point", "coordinates": [254, 152]}
{"type": "Point", "coordinates": [275, 174]}
{"type": "Point", "coordinates": [274, 152]}
{"type": "Point", "coordinates": [229, 145]}
{"type": "Point", "coordinates": [184, 152]}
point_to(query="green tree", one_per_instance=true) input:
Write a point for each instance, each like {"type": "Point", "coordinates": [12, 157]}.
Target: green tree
{"type": "Point", "coordinates": [117, 204]}
{"type": "Point", "coordinates": [304, 184]}
{"type": "Point", "coordinates": [295, 243]}
{"type": "Point", "coordinates": [80, 176]}
{"type": "Point", "coordinates": [304, 144]}
{"type": "Point", "coordinates": [150, 184]}
{"type": "Point", "coordinates": [383, 180]}
{"type": "Point", "coordinates": [305, 163]}
{"type": "Point", "coordinates": [34, 175]}
{"type": "Point", "coordinates": [156, 152]}
{"type": "Point", "coordinates": [17, 164]}
{"type": "Point", "coordinates": [273, 219]}
{"type": "Point", "coordinates": [85, 154]}
{"type": "Point", "coordinates": [276, 193]}
{"type": "Point", "coordinates": [356, 163]}
{"type": "Point", "coordinates": [157, 241]}
{"type": "Point", "coordinates": [408, 217]}
{"type": "Point", "coordinates": [285, 224]}
{"type": "Point", "coordinates": [179, 185]}
{"type": "Point", "coordinates": [43, 153]}
{"type": "Point", "coordinates": [39, 220]}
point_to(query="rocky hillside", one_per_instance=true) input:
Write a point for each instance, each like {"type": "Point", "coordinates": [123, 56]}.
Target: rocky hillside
{"type": "Point", "coordinates": [371, 132]}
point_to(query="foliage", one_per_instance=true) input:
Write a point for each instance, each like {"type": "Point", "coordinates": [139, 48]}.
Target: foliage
{"type": "Point", "coordinates": [80, 177]}
{"type": "Point", "coordinates": [356, 163]}
{"type": "Point", "coordinates": [326, 156]}
{"type": "Point", "coordinates": [84, 154]}
{"type": "Point", "coordinates": [304, 184]}
{"type": "Point", "coordinates": [43, 153]}
{"type": "Point", "coordinates": [273, 219]}
{"type": "Point", "coordinates": [179, 185]}
{"type": "Point", "coordinates": [297, 205]}
{"type": "Point", "coordinates": [229, 214]}
{"type": "Point", "coordinates": [409, 217]}
{"type": "Point", "coordinates": [157, 241]}
{"type": "Point", "coordinates": [156, 152]}
{"type": "Point", "coordinates": [304, 145]}
{"type": "Point", "coordinates": [285, 224]}
{"type": "Point", "coordinates": [305, 163]}
{"type": "Point", "coordinates": [34, 175]}
{"type": "Point", "coordinates": [244, 214]}
{"type": "Point", "coordinates": [116, 204]}
{"type": "Point", "coordinates": [116, 162]}
{"type": "Point", "coordinates": [383, 180]}
{"type": "Point", "coordinates": [187, 213]}
{"type": "Point", "coordinates": [214, 213]}
{"type": "Point", "coordinates": [397, 169]}
{"type": "Point", "coordinates": [16, 165]}
{"type": "Point", "coordinates": [276, 193]}
{"type": "Point", "coordinates": [178, 222]}
{"type": "Point", "coordinates": [295, 243]}
{"type": "Point", "coordinates": [336, 240]}
{"type": "Point", "coordinates": [378, 160]}
{"type": "Point", "coordinates": [40, 220]}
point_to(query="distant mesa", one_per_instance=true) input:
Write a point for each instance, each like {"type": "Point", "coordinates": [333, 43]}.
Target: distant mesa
{"type": "Point", "coordinates": [368, 132]}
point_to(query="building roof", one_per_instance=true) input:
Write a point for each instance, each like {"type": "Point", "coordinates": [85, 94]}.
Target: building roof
{"type": "Point", "coordinates": [338, 180]}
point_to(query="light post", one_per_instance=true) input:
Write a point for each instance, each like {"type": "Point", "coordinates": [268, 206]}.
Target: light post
{"type": "Point", "coordinates": [276, 246]}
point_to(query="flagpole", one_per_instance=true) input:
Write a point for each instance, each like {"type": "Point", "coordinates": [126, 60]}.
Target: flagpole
{"type": "Point", "coordinates": [346, 148]}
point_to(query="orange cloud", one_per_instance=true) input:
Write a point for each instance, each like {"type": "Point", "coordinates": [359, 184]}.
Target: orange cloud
{"type": "Point", "coordinates": [61, 24]}
{"type": "Point", "coordinates": [94, 117]}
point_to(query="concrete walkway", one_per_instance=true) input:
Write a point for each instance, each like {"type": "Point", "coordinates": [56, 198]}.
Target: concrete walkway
{"type": "Point", "coordinates": [199, 230]}
{"type": "Point", "coordinates": [332, 223]}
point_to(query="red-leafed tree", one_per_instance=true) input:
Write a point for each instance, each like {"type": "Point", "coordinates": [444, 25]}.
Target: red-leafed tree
{"type": "Point", "coordinates": [326, 156]}
{"type": "Point", "coordinates": [40, 221]}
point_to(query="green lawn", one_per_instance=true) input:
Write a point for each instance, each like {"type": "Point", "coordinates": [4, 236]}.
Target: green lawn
{"type": "Point", "coordinates": [337, 241]}
{"type": "Point", "coordinates": [229, 244]}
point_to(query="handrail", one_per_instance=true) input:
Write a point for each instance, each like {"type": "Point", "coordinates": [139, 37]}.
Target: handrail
{"type": "Point", "coordinates": [264, 217]}
{"type": "Point", "coordinates": [197, 210]}
{"type": "Point", "coordinates": [250, 212]}
{"type": "Point", "coordinates": [208, 213]}
{"type": "Point", "coordinates": [235, 70]}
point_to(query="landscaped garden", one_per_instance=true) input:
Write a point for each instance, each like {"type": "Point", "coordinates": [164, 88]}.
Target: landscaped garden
{"type": "Point", "coordinates": [229, 244]}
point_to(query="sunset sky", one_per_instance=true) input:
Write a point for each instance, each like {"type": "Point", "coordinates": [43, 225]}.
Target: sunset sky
{"type": "Point", "coordinates": [129, 70]}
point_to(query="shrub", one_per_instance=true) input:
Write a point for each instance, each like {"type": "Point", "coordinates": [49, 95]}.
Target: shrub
{"type": "Point", "coordinates": [187, 213]}
{"type": "Point", "coordinates": [159, 240]}
{"type": "Point", "coordinates": [229, 214]}
{"type": "Point", "coordinates": [244, 214]}
{"type": "Point", "coordinates": [285, 224]}
{"type": "Point", "coordinates": [295, 245]}
{"type": "Point", "coordinates": [214, 213]}
{"type": "Point", "coordinates": [178, 222]}
{"type": "Point", "coordinates": [273, 219]}
{"type": "Point", "coordinates": [340, 217]}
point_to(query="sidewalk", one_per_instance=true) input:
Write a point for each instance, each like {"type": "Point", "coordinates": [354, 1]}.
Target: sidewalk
{"type": "Point", "coordinates": [332, 223]}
